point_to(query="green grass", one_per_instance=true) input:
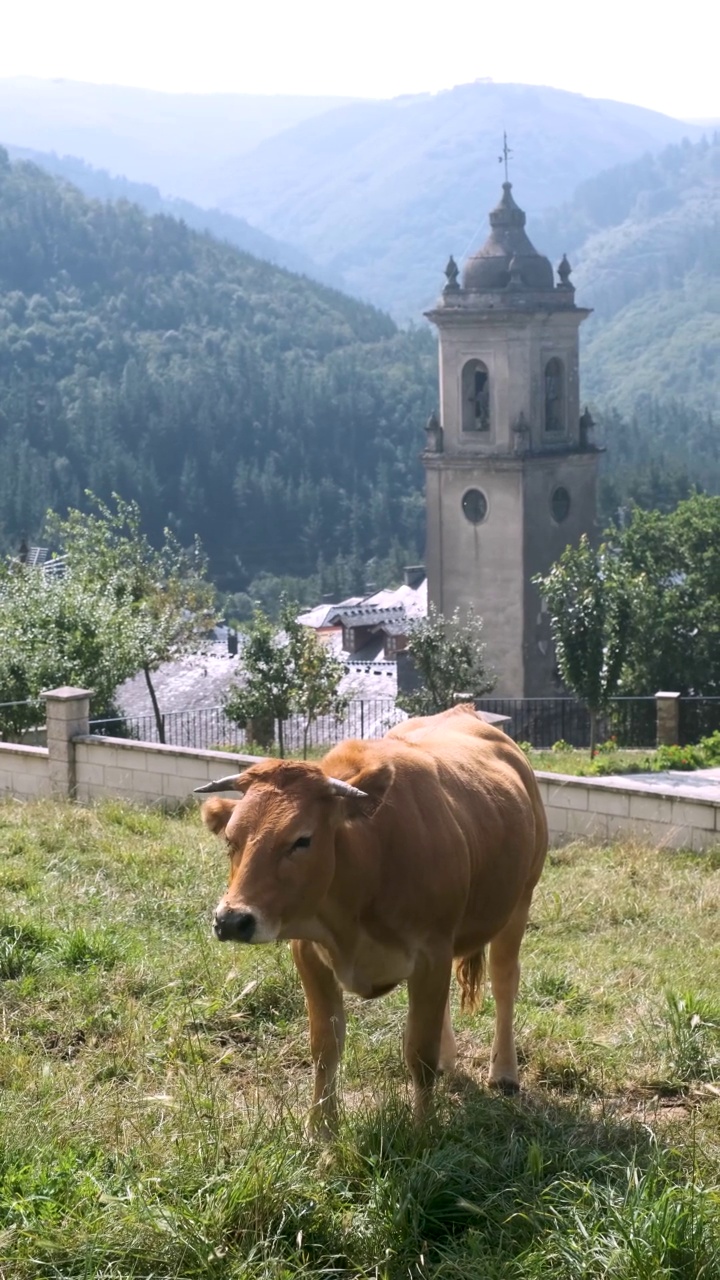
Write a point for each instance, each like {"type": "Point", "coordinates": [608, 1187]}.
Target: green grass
{"type": "Point", "coordinates": [153, 1082]}
{"type": "Point", "coordinates": [609, 759]}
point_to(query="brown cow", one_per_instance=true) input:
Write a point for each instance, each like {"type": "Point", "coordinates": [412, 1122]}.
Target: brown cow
{"type": "Point", "coordinates": [382, 865]}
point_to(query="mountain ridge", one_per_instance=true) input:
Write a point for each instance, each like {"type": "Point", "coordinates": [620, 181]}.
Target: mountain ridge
{"type": "Point", "coordinates": [382, 192]}
{"type": "Point", "coordinates": [99, 184]}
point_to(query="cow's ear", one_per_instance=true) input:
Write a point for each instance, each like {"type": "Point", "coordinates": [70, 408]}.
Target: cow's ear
{"type": "Point", "coordinates": [375, 780]}
{"type": "Point", "coordinates": [217, 812]}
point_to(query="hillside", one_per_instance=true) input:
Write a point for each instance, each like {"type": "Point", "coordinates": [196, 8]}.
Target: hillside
{"type": "Point", "coordinates": [175, 141]}
{"type": "Point", "coordinates": [275, 417]}
{"type": "Point", "coordinates": [98, 184]}
{"type": "Point", "coordinates": [645, 242]}
{"type": "Point", "coordinates": [382, 191]}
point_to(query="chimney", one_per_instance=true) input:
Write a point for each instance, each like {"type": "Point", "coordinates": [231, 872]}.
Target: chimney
{"type": "Point", "coordinates": [413, 575]}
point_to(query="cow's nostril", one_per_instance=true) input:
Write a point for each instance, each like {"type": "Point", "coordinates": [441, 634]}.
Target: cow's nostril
{"type": "Point", "coordinates": [234, 926]}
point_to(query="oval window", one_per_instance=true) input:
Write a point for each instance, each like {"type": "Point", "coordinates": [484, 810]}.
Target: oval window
{"type": "Point", "coordinates": [560, 504]}
{"type": "Point", "coordinates": [474, 505]}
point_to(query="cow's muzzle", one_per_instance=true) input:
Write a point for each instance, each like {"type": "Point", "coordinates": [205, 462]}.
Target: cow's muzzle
{"type": "Point", "coordinates": [234, 925]}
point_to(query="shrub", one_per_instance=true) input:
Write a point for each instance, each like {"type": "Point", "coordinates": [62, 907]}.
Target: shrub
{"type": "Point", "coordinates": [676, 757]}
{"type": "Point", "coordinates": [710, 747]}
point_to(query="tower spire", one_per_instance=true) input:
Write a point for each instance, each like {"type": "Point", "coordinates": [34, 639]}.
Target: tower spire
{"type": "Point", "coordinates": [506, 153]}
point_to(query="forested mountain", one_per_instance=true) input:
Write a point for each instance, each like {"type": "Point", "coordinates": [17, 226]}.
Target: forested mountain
{"type": "Point", "coordinates": [274, 416]}
{"type": "Point", "coordinates": [98, 184]}
{"type": "Point", "coordinates": [655, 456]}
{"type": "Point", "coordinates": [382, 191]}
{"type": "Point", "coordinates": [277, 418]}
{"type": "Point", "coordinates": [176, 141]}
{"type": "Point", "coordinates": [377, 192]}
{"type": "Point", "coordinates": [645, 242]}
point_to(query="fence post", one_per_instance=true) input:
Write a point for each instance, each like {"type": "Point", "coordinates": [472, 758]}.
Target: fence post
{"type": "Point", "coordinates": [667, 718]}
{"type": "Point", "coordinates": [67, 713]}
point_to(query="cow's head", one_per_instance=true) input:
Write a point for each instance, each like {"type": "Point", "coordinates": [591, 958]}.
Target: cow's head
{"type": "Point", "coordinates": [280, 839]}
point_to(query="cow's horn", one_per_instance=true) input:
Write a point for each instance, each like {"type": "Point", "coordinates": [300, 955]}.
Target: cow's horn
{"type": "Point", "coordinates": [221, 784]}
{"type": "Point", "coordinates": [345, 789]}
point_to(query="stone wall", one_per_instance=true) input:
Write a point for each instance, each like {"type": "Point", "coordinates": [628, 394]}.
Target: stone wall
{"type": "Point", "coordinates": [145, 772]}
{"type": "Point", "coordinates": [24, 771]}
{"type": "Point", "coordinates": [605, 808]}
{"type": "Point", "coordinates": [79, 765]}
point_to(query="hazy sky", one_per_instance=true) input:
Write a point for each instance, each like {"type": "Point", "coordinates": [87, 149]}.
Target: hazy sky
{"type": "Point", "coordinates": [658, 56]}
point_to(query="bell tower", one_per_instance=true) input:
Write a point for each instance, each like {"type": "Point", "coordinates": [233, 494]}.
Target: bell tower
{"type": "Point", "coordinates": [510, 465]}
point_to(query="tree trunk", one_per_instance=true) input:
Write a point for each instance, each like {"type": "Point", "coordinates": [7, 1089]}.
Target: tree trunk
{"type": "Point", "coordinates": [306, 730]}
{"type": "Point", "coordinates": [593, 733]}
{"type": "Point", "coordinates": [159, 719]}
{"type": "Point", "coordinates": [281, 740]}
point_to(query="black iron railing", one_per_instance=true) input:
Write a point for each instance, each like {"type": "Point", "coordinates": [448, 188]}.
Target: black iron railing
{"type": "Point", "coordinates": [210, 728]}
{"type": "Point", "coordinates": [544, 721]}
{"type": "Point", "coordinates": [699, 717]}
{"type": "Point", "coordinates": [540, 721]}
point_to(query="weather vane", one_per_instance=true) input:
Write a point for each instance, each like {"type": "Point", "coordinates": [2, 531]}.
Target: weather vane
{"type": "Point", "coordinates": [505, 155]}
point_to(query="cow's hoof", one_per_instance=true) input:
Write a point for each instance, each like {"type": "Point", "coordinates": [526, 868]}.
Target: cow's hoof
{"type": "Point", "coordinates": [505, 1085]}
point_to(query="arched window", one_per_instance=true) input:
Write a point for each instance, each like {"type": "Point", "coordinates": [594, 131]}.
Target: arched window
{"type": "Point", "coordinates": [554, 396]}
{"type": "Point", "coordinates": [475, 397]}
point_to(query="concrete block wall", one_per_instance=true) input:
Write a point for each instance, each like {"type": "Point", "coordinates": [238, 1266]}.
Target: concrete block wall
{"type": "Point", "coordinates": [24, 771]}
{"type": "Point", "coordinates": [603, 808]}
{"type": "Point", "coordinates": [79, 765]}
{"type": "Point", "coordinates": [146, 772]}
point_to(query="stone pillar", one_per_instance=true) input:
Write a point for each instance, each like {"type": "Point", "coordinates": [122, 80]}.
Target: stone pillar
{"type": "Point", "coordinates": [667, 719]}
{"type": "Point", "coordinates": [67, 713]}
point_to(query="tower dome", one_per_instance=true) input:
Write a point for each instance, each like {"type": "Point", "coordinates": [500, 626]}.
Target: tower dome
{"type": "Point", "coordinates": [490, 267]}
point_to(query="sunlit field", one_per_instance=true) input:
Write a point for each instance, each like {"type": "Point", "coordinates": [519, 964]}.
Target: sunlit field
{"type": "Point", "coordinates": [153, 1082]}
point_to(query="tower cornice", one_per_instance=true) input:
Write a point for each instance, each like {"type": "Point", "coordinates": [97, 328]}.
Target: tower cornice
{"type": "Point", "coordinates": [491, 311]}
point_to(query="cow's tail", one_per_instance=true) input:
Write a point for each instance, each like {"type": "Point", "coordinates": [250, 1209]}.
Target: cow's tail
{"type": "Point", "coordinates": [470, 973]}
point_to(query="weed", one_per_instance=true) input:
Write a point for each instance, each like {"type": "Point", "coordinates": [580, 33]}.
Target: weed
{"type": "Point", "coordinates": [690, 1030]}
{"type": "Point", "coordinates": [20, 947]}
{"type": "Point", "coordinates": [80, 948]}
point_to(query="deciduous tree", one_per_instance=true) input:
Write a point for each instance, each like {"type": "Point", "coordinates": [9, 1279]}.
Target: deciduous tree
{"type": "Point", "coordinates": [58, 631]}
{"type": "Point", "coordinates": [286, 670]}
{"type": "Point", "coordinates": [449, 657]}
{"type": "Point", "coordinates": [590, 603]}
{"type": "Point", "coordinates": [161, 594]}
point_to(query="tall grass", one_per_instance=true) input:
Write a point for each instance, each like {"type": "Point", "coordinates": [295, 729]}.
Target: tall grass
{"type": "Point", "coordinates": [153, 1083]}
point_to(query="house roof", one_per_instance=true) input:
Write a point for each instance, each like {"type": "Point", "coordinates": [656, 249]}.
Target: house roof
{"type": "Point", "coordinates": [412, 599]}
{"type": "Point", "coordinates": [369, 615]}
{"type": "Point", "coordinates": [321, 614]}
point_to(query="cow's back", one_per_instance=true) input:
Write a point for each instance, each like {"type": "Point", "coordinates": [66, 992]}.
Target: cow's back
{"type": "Point", "coordinates": [462, 833]}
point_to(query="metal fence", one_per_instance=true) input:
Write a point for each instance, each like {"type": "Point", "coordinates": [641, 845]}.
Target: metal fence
{"type": "Point", "coordinates": [539, 721]}
{"type": "Point", "coordinates": [699, 717]}
{"type": "Point", "coordinates": [21, 721]}
{"type": "Point", "coordinates": [545, 721]}
{"type": "Point", "coordinates": [210, 729]}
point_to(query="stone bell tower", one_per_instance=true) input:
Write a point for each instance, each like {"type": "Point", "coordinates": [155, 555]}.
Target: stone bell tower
{"type": "Point", "coordinates": [510, 465]}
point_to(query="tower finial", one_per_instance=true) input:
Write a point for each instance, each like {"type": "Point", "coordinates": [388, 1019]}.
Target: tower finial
{"type": "Point", "coordinates": [506, 153]}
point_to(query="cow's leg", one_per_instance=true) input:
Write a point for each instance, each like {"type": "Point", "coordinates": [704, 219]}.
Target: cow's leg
{"type": "Point", "coordinates": [326, 1014]}
{"type": "Point", "coordinates": [428, 990]}
{"type": "Point", "coordinates": [448, 1047]}
{"type": "Point", "coordinates": [504, 969]}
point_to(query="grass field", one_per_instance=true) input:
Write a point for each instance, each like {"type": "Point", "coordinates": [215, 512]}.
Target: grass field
{"type": "Point", "coordinates": [152, 1081]}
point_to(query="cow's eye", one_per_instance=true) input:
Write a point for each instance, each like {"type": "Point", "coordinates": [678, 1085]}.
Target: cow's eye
{"type": "Point", "coordinates": [302, 842]}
